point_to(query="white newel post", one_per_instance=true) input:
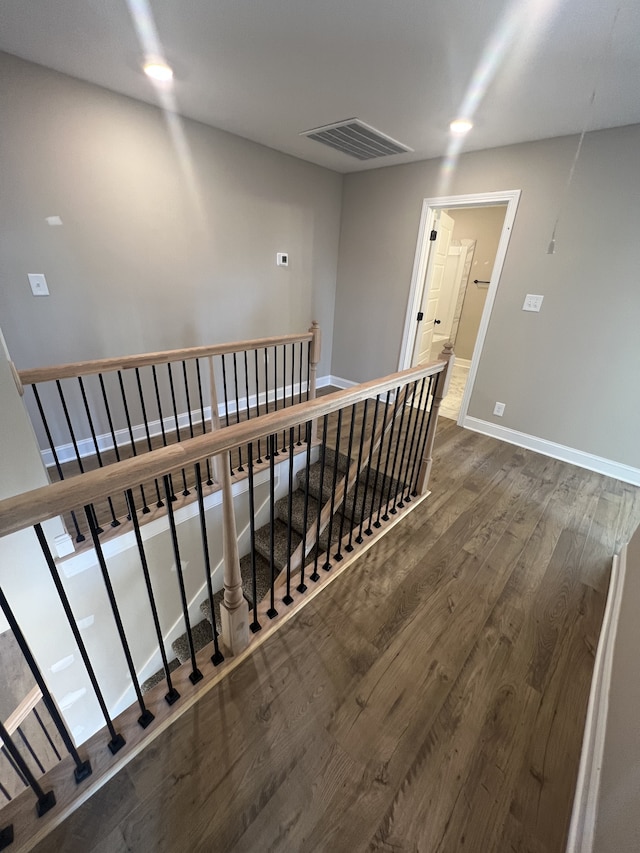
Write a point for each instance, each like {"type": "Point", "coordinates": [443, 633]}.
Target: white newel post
{"type": "Point", "coordinates": [442, 386]}
{"type": "Point", "coordinates": [234, 611]}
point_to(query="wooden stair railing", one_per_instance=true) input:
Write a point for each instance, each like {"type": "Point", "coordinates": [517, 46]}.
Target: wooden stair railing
{"type": "Point", "coordinates": [405, 476]}
{"type": "Point", "coordinates": [93, 413]}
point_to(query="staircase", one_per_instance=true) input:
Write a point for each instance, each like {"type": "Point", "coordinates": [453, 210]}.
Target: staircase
{"type": "Point", "coordinates": [202, 631]}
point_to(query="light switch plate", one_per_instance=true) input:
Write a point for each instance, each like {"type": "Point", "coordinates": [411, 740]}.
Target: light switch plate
{"type": "Point", "coordinates": [532, 302]}
{"type": "Point", "coordinates": [38, 284]}
{"type": "Point", "coordinates": [282, 259]}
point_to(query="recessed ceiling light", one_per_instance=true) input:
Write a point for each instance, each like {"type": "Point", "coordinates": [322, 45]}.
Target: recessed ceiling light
{"type": "Point", "coordinates": [158, 70]}
{"type": "Point", "coordinates": [460, 125]}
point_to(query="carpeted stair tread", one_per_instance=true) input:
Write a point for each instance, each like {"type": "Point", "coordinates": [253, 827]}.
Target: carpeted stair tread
{"type": "Point", "coordinates": [280, 543]}
{"type": "Point", "coordinates": [297, 510]}
{"type": "Point", "coordinates": [205, 607]}
{"type": "Point", "coordinates": [158, 676]}
{"type": "Point", "coordinates": [201, 633]}
{"type": "Point", "coordinates": [263, 576]}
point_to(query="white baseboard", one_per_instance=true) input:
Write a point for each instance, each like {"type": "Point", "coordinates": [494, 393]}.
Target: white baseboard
{"type": "Point", "coordinates": [86, 446]}
{"type": "Point", "coordinates": [465, 363]}
{"type": "Point", "coordinates": [608, 467]}
{"type": "Point", "coordinates": [335, 382]}
{"type": "Point", "coordinates": [585, 803]}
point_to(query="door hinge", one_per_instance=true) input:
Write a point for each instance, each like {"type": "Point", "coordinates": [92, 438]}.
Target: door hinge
{"type": "Point", "coordinates": [434, 235]}
{"type": "Point", "coordinates": [420, 315]}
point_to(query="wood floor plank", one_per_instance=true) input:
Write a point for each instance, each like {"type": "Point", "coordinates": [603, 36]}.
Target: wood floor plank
{"type": "Point", "coordinates": [431, 699]}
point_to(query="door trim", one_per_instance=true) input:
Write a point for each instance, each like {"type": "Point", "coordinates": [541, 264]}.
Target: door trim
{"type": "Point", "coordinates": [420, 268]}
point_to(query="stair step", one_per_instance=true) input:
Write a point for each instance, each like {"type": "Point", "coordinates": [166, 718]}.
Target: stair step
{"type": "Point", "coordinates": [280, 543]}
{"type": "Point", "coordinates": [205, 607]}
{"type": "Point", "coordinates": [327, 485]}
{"type": "Point", "coordinates": [297, 510]}
{"type": "Point", "coordinates": [158, 676]}
{"type": "Point", "coordinates": [201, 633]}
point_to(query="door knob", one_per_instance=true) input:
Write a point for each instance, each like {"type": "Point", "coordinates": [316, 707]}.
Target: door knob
{"type": "Point", "coordinates": [437, 322]}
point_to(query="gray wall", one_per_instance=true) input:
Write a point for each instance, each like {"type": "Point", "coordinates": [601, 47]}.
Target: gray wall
{"type": "Point", "coordinates": [141, 262]}
{"type": "Point", "coordinates": [568, 374]}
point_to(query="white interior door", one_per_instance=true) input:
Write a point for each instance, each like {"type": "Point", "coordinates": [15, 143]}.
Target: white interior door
{"type": "Point", "coordinates": [450, 293]}
{"type": "Point", "coordinates": [432, 288]}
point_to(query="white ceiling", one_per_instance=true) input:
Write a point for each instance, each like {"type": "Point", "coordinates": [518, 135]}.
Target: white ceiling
{"type": "Point", "coordinates": [269, 69]}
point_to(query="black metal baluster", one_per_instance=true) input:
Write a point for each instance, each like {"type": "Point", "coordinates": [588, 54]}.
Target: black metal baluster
{"type": "Point", "coordinates": [195, 675]}
{"type": "Point", "coordinates": [14, 766]}
{"type": "Point", "coordinates": [255, 626]}
{"type": "Point", "coordinates": [416, 448]}
{"type": "Point", "coordinates": [159, 502]}
{"type": "Point", "coordinates": [31, 750]}
{"type": "Point", "coordinates": [323, 455]}
{"type": "Point", "coordinates": [385, 517]}
{"type": "Point", "coordinates": [46, 733]}
{"type": "Point", "coordinates": [45, 801]}
{"type": "Point", "coordinates": [338, 555]}
{"type": "Point", "coordinates": [6, 835]}
{"type": "Point", "coordinates": [69, 426]}
{"type": "Point", "coordinates": [185, 490]}
{"type": "Point", "coordinates": [209, 480]}
{"type": "Point", "coordinates": [172, 695]}
{"type": "Point", "coordinates": [117, 741]}
{"type": "Point", "coordinates": [79, 535]}
{"type": "Point", "coordinates": [266, 397]}
{"type": "Point", "coordinates": [407, 477]}
{"type": "Point", "coordinates": [226, 398]}
{"type": "Point", "coordinates": [369, 531]}
{"type": "Point", "coordinates": [275, 393]}
{"type": "Point", "coordinates": [187, 396]}
{"type": "Point", "coordinates": [83, 768]}
{"type": "Point", "coordinates": [305, 515]}
{"type": "Point", "coordinates": [145, 507]}
{"type": "Point", "coordinates": [217, 656]}
{"type": "Point", "coordinates": [284, 393]}
{"type": "Point", "coordinates": [287, 599]}
{"type": "Point", "coordinates": [334, 485]}
{"type": "Point", "coordinates": [388, 457]}
{"type": "Point", "coordinates": [235, 382]}
{"type": "Point", "coordinates": [255, 353]}
{"type": "Point", "coordinates": [75, 443]}
{"type": "Point", "coordinates": [415, 413]}
{"type": "Point", "coordinates": [146, 717]}
{"type": "Point", "coordinates": [408, 404]}
{"type": "Point", "coordinates": [114, 520]}
{"type": "Point", "coordinates": [300, 389]}
{"type": "Point", "coordinates": [422, 443]}
{"type": "Point", "coordinates": [161, 416]}
{"type": "Point", "coordinates": [359, 538]}
{"type": "Point", "coordinates": [246, 387]}
{"type": "Point", "coordinates": [109, 418]}
{"type": "Point", "coordinates": [352, 524]}
{"type": "Point", "coordinates": [4, 791]}
{"type": "Point", "coordinates": [272, 612]}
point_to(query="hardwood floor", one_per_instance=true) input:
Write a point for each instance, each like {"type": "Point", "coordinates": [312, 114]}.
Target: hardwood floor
{"type": "Point", "coordinates": [431, 699]}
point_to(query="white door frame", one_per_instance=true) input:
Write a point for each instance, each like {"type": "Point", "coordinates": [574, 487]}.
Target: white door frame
{"type": "Point", "coordinates": [419, 277]}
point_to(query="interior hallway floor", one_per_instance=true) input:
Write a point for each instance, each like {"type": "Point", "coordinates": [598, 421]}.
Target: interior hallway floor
{"type": "Point", "coordinates": [450, 406]}
{"type": "Point", "coordinates": [432, 698]}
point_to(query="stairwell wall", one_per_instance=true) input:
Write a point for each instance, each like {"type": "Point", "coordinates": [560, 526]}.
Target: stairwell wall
{"type": "Point", "coordinates": [160, 247]}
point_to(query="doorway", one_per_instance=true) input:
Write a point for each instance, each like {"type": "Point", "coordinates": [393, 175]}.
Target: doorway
{"type": "Point", "coordinates": [461, 247]}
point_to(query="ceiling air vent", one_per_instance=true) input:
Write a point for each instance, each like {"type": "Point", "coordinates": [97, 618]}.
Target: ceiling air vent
{"type": "Point", "coordinates": [357, 139]}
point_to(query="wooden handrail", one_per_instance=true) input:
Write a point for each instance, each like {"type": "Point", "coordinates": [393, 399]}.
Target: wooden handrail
{"type": "Point", "coordinates": [33, 375]}
{"type": "Point", "coordinates": [38, 505]}
{"type": "Point", "coordinates": [17, 717]}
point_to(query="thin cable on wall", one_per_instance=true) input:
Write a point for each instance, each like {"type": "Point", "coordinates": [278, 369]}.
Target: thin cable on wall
{"type": "Point", "coordinates": [551, 249]}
